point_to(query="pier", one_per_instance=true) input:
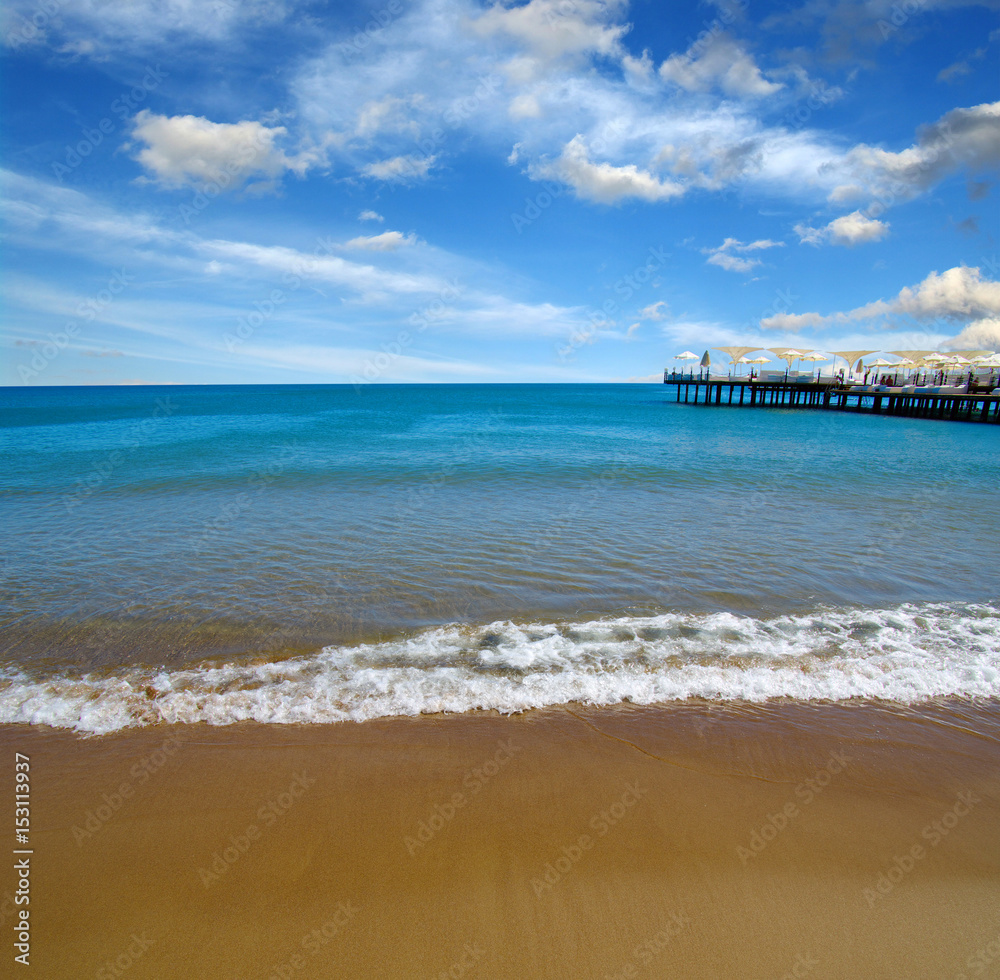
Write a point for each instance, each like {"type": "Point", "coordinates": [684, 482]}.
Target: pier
{"type": "Point", "coordinates": [832, 395]}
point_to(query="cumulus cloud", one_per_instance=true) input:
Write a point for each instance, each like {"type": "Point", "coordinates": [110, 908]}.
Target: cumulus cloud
{"type": "Point", "coordinates": [962, 139]}
{"type": "Point", "coordinates": [849, 229]}
{"type": "Point", "coordinates": [979, 335]}
{"type": "Point", "coordinates": [722, 64]}
{"type": "Point", "coordinates": [722, 255]}
{"type": "Point", "coordinates": [960, 293]}
{"type": "Point", "coordinates": [370, 216]}
{"type": "Point", "coordinates": [604, 182]}
{"type": "Point", "coordinates": [555, 29]}
{"type": "Point", "coordinates": [400, 169]}
{"type": "Point", "coordinates": [194, 151]}
{"type": "Point", "coordinates": [385, 242]}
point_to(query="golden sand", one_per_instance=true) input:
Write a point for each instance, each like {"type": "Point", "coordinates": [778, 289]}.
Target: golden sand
{"type": "Point", "coordinates": [839, 841]}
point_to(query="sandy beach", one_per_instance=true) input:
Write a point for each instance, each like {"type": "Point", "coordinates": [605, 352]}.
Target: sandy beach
{"type": "Point", "coordinates": [694, 840]}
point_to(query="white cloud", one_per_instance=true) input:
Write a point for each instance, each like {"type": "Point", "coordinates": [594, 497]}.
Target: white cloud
{"type": "Point", "coordinates": [721, 63]}
{"type": "Point", "coordinates": [554, 29]}
{"type": "Point", "coordinates": [194, 151]}
{"type": "Point", "coordinates": [845, 194]}
{"type": "Point", "coordinates": [400, 169]}
{"type": "Point", "coordinates": [525, 106]}
{"type": "Point", "coordinates": [94, 27]}
{"type": "Point", "coordinates": [638, 70]}
{"type": "Point", "coordinates": [981, 334]}
{"type": "Point", "coordinates": [385, 242]}
{"type": "Point", "coordinates": [722, 255]}
{"type": "Point", "coordinates": [604, 182]}
{"type": "Point", "coordinates": [960, 293]}
{"type": "Point", "coordinates": [536, 92]}
{"type": "Point", "coordinates": [655, 311]}
{"type": "Point", "coordinates": [962, 139]}
{"type": "Point", "coordinates": [370, 216]}
{"type": "Point", "coordinates": [849, 229]}
{"type": "Point", "coordinates": [387, 114]}
{"type": "Point", "coordinates": [365, 279]}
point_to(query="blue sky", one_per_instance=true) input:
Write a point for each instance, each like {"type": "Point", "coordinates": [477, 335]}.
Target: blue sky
{"type": "Point", "coordinates": [453, 190]}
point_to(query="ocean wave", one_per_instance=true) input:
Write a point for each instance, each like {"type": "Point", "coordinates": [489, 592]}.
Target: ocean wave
{"type": "Point", "coordinates": [906, 654]}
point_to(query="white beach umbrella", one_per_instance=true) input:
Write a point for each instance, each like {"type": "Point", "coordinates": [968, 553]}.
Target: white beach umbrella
{"type": "Point", "coordinates": [879, 362]}
{"type": "Point", "coordinates": [686, 356]}
{"type": "Point", "coordinates": [815, 356]}
{"type": "Point", "coordinates": [903, 362]}
{"type": "Point", "coordinates": [787, 354]}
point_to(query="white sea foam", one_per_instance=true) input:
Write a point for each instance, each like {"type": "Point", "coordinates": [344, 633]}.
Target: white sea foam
{"type": "Point", "coordinates": [906, 654]}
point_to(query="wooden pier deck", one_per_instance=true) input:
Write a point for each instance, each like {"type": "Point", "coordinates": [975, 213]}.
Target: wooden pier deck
{"type": "Point", "coordinates": [956, 406]}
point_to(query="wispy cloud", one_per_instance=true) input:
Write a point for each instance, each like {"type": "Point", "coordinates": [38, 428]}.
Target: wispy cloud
{"type": "Point", "coordinates": [723, 255]}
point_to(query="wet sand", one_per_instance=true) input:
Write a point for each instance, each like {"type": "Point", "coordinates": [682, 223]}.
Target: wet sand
{"type": "Point", "coordinates": [691, 840]}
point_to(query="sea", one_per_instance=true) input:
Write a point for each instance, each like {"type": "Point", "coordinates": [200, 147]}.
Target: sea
{"type": "Point", "coordinates": [296, 554]}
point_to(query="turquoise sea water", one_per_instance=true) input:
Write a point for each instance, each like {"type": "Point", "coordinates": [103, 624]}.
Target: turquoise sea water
{"type": "Point", "coordinates": [291, 552]}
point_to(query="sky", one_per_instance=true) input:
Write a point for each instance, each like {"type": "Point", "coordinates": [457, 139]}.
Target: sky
{"type": "Point", "coordinates": [284, 191]}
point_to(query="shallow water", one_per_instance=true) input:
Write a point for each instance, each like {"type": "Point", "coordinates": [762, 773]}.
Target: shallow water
{"type": "Point", "coordinates": [345, 552]}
